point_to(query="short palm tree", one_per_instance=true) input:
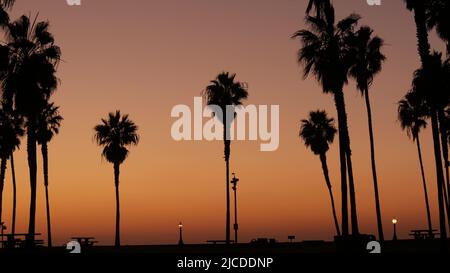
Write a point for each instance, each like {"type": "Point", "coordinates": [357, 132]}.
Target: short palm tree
{"type": "Point", "coordinates": [29, 81]}
{"type": "Point", "coordinates": [225, 91]}
{"type": "Point", "coordinates": [368, 63]}
{"type": "Point", "coordinates": [10, 133]}
{"type": "Point", "coordinates": [48, 124]}
{"type": "Point", "coordinates": [115, 134]}
{"type": "Point", "coordinates": [412, 114]}
{"type": "Point", "coordinates": [327, 54]}
{"type": "Point", "coordinates": [318, 133]}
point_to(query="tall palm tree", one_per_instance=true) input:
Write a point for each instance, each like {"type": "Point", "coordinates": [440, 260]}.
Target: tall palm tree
{"type": "Point", "coordinates": [10, 133]}
{"type": "Point", "coordinates": [318, 133]}
{"type": "Point", "coordinates": [368, 63]}
{"type": "Point", "coordinates": [225, 91]}
{"type": "Point", "coordinates": [115, 133]}
{"type": "Point", "coordinates": [29, 82]}
{"type": "Point", "coordinates": [420, 8]}
{"type": "Point", "coordinates": [48, 124]}
{"type": "Point", "coordinates": [412, 114]}
{"type": "Point", "coordinates": [327, 54]}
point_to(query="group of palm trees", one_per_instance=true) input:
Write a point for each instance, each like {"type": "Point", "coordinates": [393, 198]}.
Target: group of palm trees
{"type": "Point", "coordinates": [28, 63]}
{"type": "Point", "coordinates": [429, 98]}
{"type": "Point", "coordinates": [333, 52]}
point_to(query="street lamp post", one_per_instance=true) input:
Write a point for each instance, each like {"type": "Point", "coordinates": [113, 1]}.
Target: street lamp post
{"type": "Point", "coordinates": [180, 227]}
{"type": "Point", "coordinates": [394, 222]}
{"type": "Point", "coordinates": [234, 181]}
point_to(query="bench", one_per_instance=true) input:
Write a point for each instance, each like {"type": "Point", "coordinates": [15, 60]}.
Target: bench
{"type": "Point", "coordinates": [422, 234]}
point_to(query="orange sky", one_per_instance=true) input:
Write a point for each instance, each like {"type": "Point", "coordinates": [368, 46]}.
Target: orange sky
{"type": "Point", "coordinates": [144, 57]}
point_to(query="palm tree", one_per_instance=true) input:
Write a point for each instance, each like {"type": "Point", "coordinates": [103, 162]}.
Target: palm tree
{"type": "Point", "coordinates": [368, 63]}
{"type": "Point", "coordinates": [327, 54]}
{"type": "Point", "coordinates": [10, 133]}
{"type": "Point", "coordinates": [225, 91]}
{"type": "Point", "coordinates": [318, 133]}
{"type": "Point", "coordinates": [114, 134]}
{"type": "Point", "coordinates": [412, 114]}
{"type": "Point", "coordinates": [420, 8]}
{"type": "Point", "coordinates": [28, 83]}
{"type": "Point", "coordinates": [48, 124]}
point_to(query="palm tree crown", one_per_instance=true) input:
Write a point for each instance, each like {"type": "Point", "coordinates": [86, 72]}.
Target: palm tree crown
{"type": "Point", "coordinates": [49, 122]}
{"type": "Point", "coordinates": [114, 134]}
{"type": "Point", "coordinates": [11, 130]}
{"type": "Point", "coordinates": [33, 56]}
{"type": "Point", "coordinates": [412, 114]}
{"type": "Point", "coordinates": [224, 90]}
{"type": "Point", "coordinates": [368, 57]}
{"type": "Point", "coordinates": [318, 131]}
{"type": "Point", "coordinates": [327, 52]}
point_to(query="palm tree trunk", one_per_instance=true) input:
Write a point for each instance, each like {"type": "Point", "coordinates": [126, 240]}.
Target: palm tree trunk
{"type": "Point", "coordinates": [374, 168]}
{"type": "Point", "coordinates": [323, 160]}
{"type": "Point", "coordinates": [343, 165]}
{"type": "Point", "coordinates": [13, 172]}
{"type": "Point", "coordinates": [344, 141]}
{"type": "Point", "coordinates": [32, 166]}
{"type": "Point", "coordinates": [44, 149]}
{"type": "Point", "coordinates": [116, 183]}
{"type": "Point", "coordinates": [2, 183]}
{"type": "Point", "coordinates": [419, 150]}
{"type": "Point", "coordinates": [227, 151]}
{"type": "Point", "coordinates": [423, 44]}
{"type": "Point", "coordinates": [444, 137]}
{"type": "Point", "coordinates": [440, 179]}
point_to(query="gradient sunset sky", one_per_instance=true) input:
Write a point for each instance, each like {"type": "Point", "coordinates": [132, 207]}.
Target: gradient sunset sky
{"type": "Point", "coordinates": [144, 57]}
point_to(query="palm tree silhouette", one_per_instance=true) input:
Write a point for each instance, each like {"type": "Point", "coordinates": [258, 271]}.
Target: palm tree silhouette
{"type": "Point", "coordinates": [412, 114]}
{"type": "Point", "coordinates": [29, 82]}
{"type": "Point", "coordinates": [225, 91]}
{"type": "Point", "coordinates": [48, 124]}
{"type": "Point", "coordinates": [420, 8]}
{"type": "Point", "coordinates": [326, 53]}
{"type": "Point", "coordinates": [318, 133]}
{"type": "Point", "coordinates": [114, 134]}
{"type": "Point", "coordinates": [368, 63]}
{"type": "Point", "coordinates": [10, 133]}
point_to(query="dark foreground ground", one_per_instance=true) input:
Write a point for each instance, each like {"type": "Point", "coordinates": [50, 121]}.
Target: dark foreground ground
{"type": "Point", "coordinates": [404, 255]}
{"type": "Point", "coordinates": [306, 247]}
